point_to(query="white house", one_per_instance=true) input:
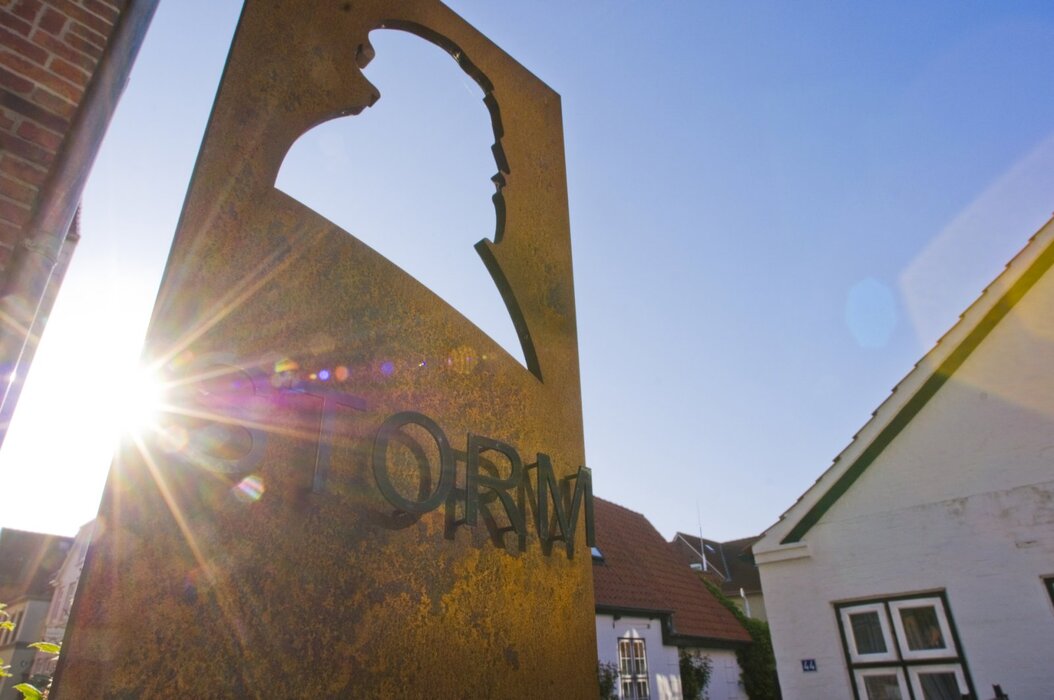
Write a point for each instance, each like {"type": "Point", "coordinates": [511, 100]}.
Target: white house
{"type": "Point", "coordinates": [920, 564]}
{"type": "Point", "coordinates": [650, 606]}
{"type": "Point", "coordinates": [64, 585]}
{"type": "Point", "coordinates": [28, 562]}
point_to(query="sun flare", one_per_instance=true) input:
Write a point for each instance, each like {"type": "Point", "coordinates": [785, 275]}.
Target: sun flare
{"type": "Point", "coordinates": [134, 406]}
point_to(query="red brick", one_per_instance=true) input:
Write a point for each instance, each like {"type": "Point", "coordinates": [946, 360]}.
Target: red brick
{"type": "Point", "coordinates": [23, 170]}
{"type": "Point", "coordinates": [65, 69]}
{"type": "Point", "coordinates": [53, 21]}
{"type": "Point", "coordinates": [38, 114]}
{"type": "Point", "coordinates": [104, 9]}
{"type": "Point", "coordinates": [10, 117]}
{"type": "Point", "coordinates": [58, 106]}
{"type": "Point", "coordinates": [81, 15]}
{"type": "Point", "coordinates": [61, 48]}
{"type": "Point", "coordinates": [11, 22]}
{"type": "Point", "coordinates": [40, 76]}
{"type": "Point", "coordinates": [15, 213]}
{"type": "Point", "coordinates": [27, 9]}
{"type": "Point", "coordinates": [21, 45]}
{"type": "Point", "coordinates": [83, 45]}
{"type": "Point", "coordinates": [34, 133]}
{"type": "Point", "coordinates": [14, 82]}
{"type": "Point", "coordinates": [9, 236]}
{"type": "Point", "coordinates": [26, 150]}
{"type": "Point", "coordinates": [22, 194]}
{"type": "Point", "coordinates": [92, 37]}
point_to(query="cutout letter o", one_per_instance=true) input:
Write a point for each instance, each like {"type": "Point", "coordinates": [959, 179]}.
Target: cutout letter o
{"type": "Point", "coordinates": [380, 462]}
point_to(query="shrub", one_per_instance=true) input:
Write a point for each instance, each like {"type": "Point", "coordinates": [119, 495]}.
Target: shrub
{"type": "Point", "coordinates": [607, 677]}
{"type": "Point", "coordinates": [757, 661]}
{"type": "Point", "coordinates": [695, 675]}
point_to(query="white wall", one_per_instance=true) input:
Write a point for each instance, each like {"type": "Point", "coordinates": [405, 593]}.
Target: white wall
{"type": "Point", "coordinates": [725, 683]}
{"type": "Point", "coordinates": [65, 586]}
{"type": "Point", "coordinates": [757, 605]}
{"type": "Point", "coordinates": [962, 501]}
{"type": "Point", "coordinates": [664, 670]}
{"type": "Point", "coordinates": [988, 552]}
{"type": "Point", "coordinates": [664, 661]}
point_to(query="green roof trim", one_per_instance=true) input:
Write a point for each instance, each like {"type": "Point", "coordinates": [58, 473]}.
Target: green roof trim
{"type": "Point", "coordinates": [926, 392]}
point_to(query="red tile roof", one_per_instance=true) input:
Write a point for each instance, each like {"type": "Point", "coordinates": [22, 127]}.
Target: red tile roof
{"type": "Point", "coordinates": [641, 573]}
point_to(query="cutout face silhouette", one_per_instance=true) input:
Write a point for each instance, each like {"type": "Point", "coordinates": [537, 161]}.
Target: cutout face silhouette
{"type": "Point", "coordinates": [411, 176]}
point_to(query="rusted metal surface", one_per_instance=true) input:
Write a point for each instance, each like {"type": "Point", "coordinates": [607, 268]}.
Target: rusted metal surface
{"type": "Point", "coordinates": [271, 565]}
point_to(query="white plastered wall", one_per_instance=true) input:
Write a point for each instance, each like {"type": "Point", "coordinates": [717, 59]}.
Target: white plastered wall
{"type": "Point", "coordinates": [961, 501]}
{"type": "Point", "coordinates": [664, 661]}
{"type": "Point", "coordinates": [664, 671]}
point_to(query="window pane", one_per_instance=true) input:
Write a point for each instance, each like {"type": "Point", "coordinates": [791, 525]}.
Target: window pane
{"type": "Point", "coordinates": [642, 689]}
{"type": "Point", "coordinates": [882, 687]}
{"type": "Point", "coordinates": [627, 689]}
{"type": "Point", "coordinates": [939, 686]}
{"type": "Point", "coordinates": [642, 662]}
{"type": "Point", "coordinates": [922, 629]}
{"type": "Point", "coordinates": [625, 667]}
{"type": "Point", "coordinates": [867, 632]}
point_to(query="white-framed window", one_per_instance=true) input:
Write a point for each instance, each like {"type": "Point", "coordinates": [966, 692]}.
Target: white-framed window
{"type": "Point", "coordinates": [633, 669]}
{"type": "Point", "coordinates": [867, 633]}
{"type": "Point", "coordinates": [938, 681]}
{"type": "Point", "coordinates": [903, 648]}
{"type": "Point", "coordinates": [922, 629]}
{"type": "Point", "coordinates": [881, 683]}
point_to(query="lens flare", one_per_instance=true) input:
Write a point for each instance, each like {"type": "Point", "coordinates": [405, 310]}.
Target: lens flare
{"type": "Point", "coordinates": [173, 439]}
{"type": "Point", "coordinates": [286, 365]}
{"type": "Point", "coordinates": [134, 401]}
{"type": "Point", "coordinates": [250, 489]}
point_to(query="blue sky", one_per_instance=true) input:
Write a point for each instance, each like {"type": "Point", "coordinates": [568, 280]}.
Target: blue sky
{"type": "Point", "coordinates": [776, 209]}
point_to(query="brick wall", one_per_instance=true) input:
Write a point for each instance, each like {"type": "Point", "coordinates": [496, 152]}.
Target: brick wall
{"type": "Point", "coordinates": [49, 50]}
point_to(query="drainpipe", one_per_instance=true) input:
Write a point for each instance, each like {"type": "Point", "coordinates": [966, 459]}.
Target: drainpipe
{"type": "Point", "coordinates": [38, 264]}
{"type": "Point", "coordinates": [17, 379]}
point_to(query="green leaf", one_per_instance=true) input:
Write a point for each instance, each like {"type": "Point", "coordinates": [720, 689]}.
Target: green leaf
{"type": "Point", "coordinates": [7, 625]}
{"type": "Point", "coordinates": [29, 691]}
{"type": "Point", "coordinates": [47, 647]}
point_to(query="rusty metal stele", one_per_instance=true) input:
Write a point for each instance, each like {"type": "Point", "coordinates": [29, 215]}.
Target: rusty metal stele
{"type": "Point", "coordinates": [250, 547]}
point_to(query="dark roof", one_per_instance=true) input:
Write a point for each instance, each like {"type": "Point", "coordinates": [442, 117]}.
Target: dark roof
{"type": "Point", "coordinates": [730, 564]}
{"type": "Point", "coordinates": [28, 562]}
{"type": "Point", "coordinates": [640, 573]}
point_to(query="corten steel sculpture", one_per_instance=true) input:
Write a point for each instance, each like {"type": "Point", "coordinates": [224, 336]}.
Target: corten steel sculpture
{"type": "Point", "coordinates": [356, 491]}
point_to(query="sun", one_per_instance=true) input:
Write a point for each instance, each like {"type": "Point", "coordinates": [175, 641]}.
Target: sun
{"type": "Point", "coordinates": [134, 406]}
